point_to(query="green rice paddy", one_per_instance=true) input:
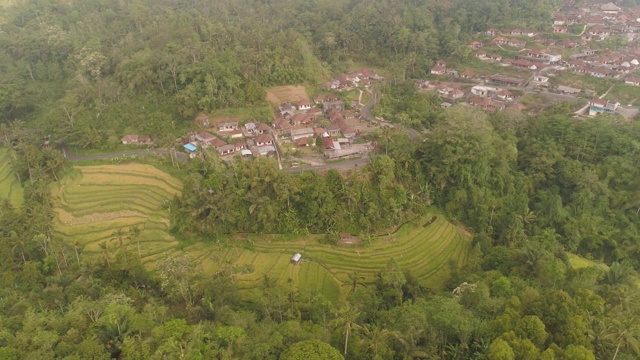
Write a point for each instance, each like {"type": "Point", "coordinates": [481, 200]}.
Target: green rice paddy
{"type": "Point", "coordinates": [10, 187]}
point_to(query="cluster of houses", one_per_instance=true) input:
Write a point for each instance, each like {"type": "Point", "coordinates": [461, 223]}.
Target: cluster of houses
{"type": "Point", "coordinates": [352, 80]}
{"type": "Point", "coordinates": [249, 139]}
{"type": "Point", "coordinates": [305, 123]}
{"type": "Point", "coordinates": [602, 20]}
{"type": "Point", "coordinates": [327, 120]}
{"type": "Point", "coordinates": [613, 65]}
{"type": "Point", "coordinates": [488, 98]}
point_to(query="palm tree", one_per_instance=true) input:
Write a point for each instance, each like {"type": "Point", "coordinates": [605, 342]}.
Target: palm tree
{"type": "Point", "coordinates": [104, 246]}
{"type": "Point", "coordinates": [354, 282]}
{"type": "Point", "coordinates": [76, 246]}
{"type": "Point", "coordinates": [376, 340]}
{"type": "Point", "coordinates": [346, 319]}
{"type": "Point", "coordinates": [119, 235]}
{"type": "Point", "coordinates": [386, 136]}
{"type": "Point", "coordinates": [134, 235]}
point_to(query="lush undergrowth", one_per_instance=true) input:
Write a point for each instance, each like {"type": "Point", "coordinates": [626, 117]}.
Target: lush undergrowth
{"type": "Point", "coordinates": [10, 187]}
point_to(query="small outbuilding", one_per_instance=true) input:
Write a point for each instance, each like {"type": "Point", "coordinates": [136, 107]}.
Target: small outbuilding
{"type": "Point", "coordinates": [296, 258]}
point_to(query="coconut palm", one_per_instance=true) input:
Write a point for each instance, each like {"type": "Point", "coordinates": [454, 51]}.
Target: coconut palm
{"type": "Point", "coordinates": [354, 282]}
{"type": "Point", "coordinates": [134, 235]}
{"type": "Point", "coordinates": [346, 319]}
{"type": "Point", "coordinates": [104, 246]}
{"type": "Point", "coordinates": [119, 235]}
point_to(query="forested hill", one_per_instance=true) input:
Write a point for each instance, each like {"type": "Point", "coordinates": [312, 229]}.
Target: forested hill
{"type": "Point", "coordinates": [84, 69]}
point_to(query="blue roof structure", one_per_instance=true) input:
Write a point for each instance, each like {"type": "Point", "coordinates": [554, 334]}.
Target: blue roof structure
{"type": "Point", "coordinates": [190, 147]}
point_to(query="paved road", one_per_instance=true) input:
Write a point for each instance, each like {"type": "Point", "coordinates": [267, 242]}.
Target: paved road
{"type": "Point", "coordinates": [366, 109]}
{"type": "Point", "coordinates": [74, 157]}
{"type": "Point", "coordinates": [343, 165]}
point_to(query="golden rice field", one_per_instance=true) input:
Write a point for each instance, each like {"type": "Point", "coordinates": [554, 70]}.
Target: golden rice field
{"type": "Point", "coordinates": [10, 187]}
{"type": "Point", "coordinates": [95, 201]}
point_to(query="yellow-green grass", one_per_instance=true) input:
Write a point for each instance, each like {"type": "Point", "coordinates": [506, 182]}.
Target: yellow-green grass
{"type": "Point", "coordinates": [578, 262]}
{"type": "Point", "coordinates": [10, 187]}
{"type": "Point", "coordinates": [94, 202]}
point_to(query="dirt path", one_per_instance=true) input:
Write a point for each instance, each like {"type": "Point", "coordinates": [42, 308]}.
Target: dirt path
{"type": "Point", "coordinates": [606, 92]}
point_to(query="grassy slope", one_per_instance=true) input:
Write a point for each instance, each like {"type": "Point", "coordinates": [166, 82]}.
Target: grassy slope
{"type": "Point", "coordinates": [10, 187]}
{"type": "Point", "coordinates": [95, 201]}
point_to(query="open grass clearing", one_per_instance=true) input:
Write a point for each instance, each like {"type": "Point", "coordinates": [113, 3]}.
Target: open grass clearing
{"type": "Point", "coordinates": [578, 262]}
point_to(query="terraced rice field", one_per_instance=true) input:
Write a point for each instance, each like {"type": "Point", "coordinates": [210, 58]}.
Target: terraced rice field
{"type": "Point", "coordinates": [425, 250]}
{"type": "Point", "coordinates": [10, 187]}
{"type": "Point", "coordinates": [96, 201]}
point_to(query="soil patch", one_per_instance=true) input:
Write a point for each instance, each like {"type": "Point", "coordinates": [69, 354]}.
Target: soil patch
{"type": "Point", "coordinates": [290, 93]}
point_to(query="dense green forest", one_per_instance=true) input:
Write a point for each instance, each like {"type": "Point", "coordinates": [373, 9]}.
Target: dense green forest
{"type": "Point", "coordinates": [531, 189]}
{"type": "Point", "coordinates": [87, 71]}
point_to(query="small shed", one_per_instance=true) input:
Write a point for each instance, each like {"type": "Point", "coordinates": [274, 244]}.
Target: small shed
{"type": "Point", "coordinates": [296, 258]}
{"type": "Point", "coordinates": [348, 239]}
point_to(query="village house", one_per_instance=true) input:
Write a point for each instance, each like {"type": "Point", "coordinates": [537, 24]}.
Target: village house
{"type": "Point", "coordinates": [235, 134]}
{"type": "Point", "coordinates": [506, 80]}
{"type": "Point", "coordinates": [540, 79]}
{"type": "Point", "coordinates": [438, 70]}
{"type": "Point", "coordinates": [332, 130]}
{"type": "Point", "coordinates": [129, 139]}
{"type": "Point", "coordinates": [475, 44]}
{"type": "Point", "coordinates": [264, 139]}
{"type": "Point", "coordinates": [304, 133]}
{"type": "Point", "coordinates": [634, 81]}
{"type": "Point", "coordinates": [204, 137]}
{"type": "Point", "coordinates": [250, 128]}
{"type": "Point", "coordinates": [304, 105]}
{"type": "Point", "coordinates": [281, 125]}
{"type": "Point", "coordinates": [599, 106]}
{"type": "Point", "coordinates": [559, 20]}
{"type": "Point", "coordinates": [491, 32]}
{"type": "Point", "coordinates": [483, 91]}
{"type": "Point", "coordinates": [505, 95]}
{"type": "Point", "coordinates": [610, 8]}
{"type": "Point", "coordinates": [481, 55]}
{"type": "Point", "coordinates": [467, 74]}
{"type": "Point", "coordinates": [487, 104]}
{"type": "Point", "coordinates": [560, 30]}
{"type": "Point", "coordinates": [262, 128]}
{"type": "Point", "coordinates": [227, 126]}
{"type": "Point", "coordinates": [240, 145]}
{"type": "Point", "coordinates": [568, 90]}
{"type": "Point", "coordinates": [496, 57]}
{"type": "Point", "coordinates": [336, 104]}
{"type": "Point", "coordinates": [226, 149]}
{"type": "Point", "coordinates": [318, 99]}
{"type": "Point", "coordinates": [286, 110]}
{"type": "Point", "coordinates": [215, 142]}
